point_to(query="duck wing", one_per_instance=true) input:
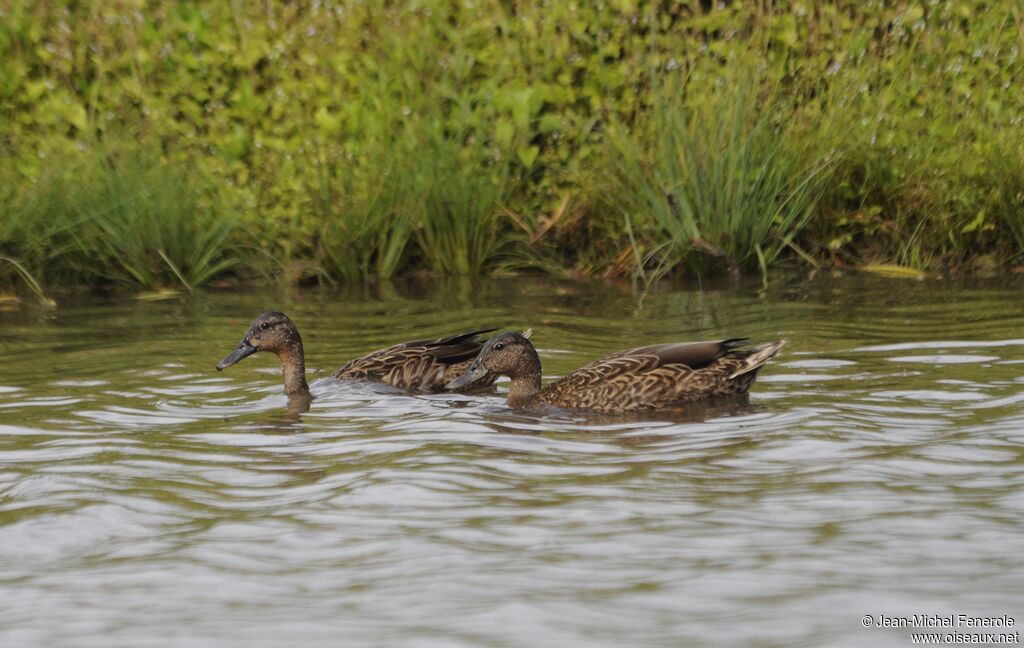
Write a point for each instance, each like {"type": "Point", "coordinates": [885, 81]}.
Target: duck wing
{"type": "Point", "coordinates": [419, 365]}
{"type": "Point", "coordinates": [691, 354]}
{"type": "Point", "coordinates": [455, 348]}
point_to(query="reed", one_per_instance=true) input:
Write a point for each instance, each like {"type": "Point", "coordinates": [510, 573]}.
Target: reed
{"type": "Point", "coordinates": [733, 175]}
{"type": "Point", "coordinates": [119, 214]}
{"type": "Point", "coordinates": [461, 229]}
{"type": "Point", "coordinates": [366, 209]}
{"type": "Point", "coordinates": [1007, 192]}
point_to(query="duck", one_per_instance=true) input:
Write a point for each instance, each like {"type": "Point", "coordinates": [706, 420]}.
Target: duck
{"type": "Point", "coordinates": [417, 366]}
{"type": "Point", "coordinates": [654, 377]}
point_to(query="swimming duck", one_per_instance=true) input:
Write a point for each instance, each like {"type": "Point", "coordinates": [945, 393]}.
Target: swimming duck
{"type": "Point", "coordinates": [646, 378]}
{"type": "Point", "coordinates": [421, 365]}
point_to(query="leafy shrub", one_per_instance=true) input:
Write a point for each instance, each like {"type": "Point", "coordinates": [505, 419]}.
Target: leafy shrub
{"type": "Point", "coordinates": [380, 138]}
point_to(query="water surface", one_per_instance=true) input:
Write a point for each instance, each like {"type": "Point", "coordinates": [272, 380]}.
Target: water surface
{"type": "Point", "coordinates": [148, 500]}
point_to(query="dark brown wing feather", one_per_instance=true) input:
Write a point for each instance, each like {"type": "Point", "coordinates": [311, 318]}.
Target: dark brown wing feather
{"type": "Point", "coordinates": [691, 354]}
{"type": "Point", "coordinates": [420, 365]}
{"type": "Point", "coordinates": [457, 347]}
{"type": "Point", "coordinates": [694, 355]}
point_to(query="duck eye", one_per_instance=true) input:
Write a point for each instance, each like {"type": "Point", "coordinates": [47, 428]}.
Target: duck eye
{"type": "Point", "coordinates": [499, 346]}
{"type": "Point", "coordinates": [264, 326]}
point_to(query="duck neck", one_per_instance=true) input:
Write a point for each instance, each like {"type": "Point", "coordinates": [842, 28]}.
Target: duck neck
{"type": "Point", "coordinates": [293, 366]}
{"type": "Point", "coordinates": [525, 386]}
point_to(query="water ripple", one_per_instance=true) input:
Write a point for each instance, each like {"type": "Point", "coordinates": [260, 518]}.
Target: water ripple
{"type": "Point", "coordinates": [877, 467]}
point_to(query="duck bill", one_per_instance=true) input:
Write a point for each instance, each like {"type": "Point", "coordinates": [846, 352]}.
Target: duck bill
{"type": "Point", "coordinates": [474, 373]}
{"type": "Point", "coordinates": [244, 350]}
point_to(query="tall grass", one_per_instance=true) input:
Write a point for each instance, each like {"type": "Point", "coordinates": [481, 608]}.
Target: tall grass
{"type": "Point", "coordinates": [734, 175]}
{"type": "Point", "coordinates": [423, 198]}
{"type": "Point", "coordinates": [366, 209]}
{"type": "Point", "coordinates": [37, 232]}
{"type": "Point", "coordinates": [149, 225]}
{"type": "Point", "coordinates": [461, 230]}
{"type": "Point", "coordinates": [1007, 198]}
{"type": "Point", "coordinates": [411, 173]}
{"type": "Point", "coordinates": [121, 215]}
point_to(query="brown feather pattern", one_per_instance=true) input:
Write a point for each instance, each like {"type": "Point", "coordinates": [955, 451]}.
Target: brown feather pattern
{"type": "Point", "coordinates": [422, 365]}
{"type": "Point", "coordinates": [646, 378]}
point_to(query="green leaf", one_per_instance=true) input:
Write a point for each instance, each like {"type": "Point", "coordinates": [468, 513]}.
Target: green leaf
{"type": "Point", "coordinates": [504, 132]}
{"type": "Point", "coordinates": [894, 271]}
{"type": "Point", "coordinates": [528, 155]}
{"type": "Point", "coordinates": [75, 113]}
{"type": "Point", "coordinates": [974, 224]}
{"type": "Point", "coordinates": [329, 124]}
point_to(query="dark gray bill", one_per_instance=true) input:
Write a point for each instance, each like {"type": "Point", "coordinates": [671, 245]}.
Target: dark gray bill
{"type": "Point", "coordinates": [474, 373]}
{"type": "Point", "coordinates": [244, 350]}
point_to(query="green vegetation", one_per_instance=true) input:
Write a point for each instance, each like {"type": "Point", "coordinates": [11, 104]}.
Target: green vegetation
{"type": "Point", "coordinates": [168, 144]}
{"type": "Point", "coordinates": [124, 217]}
{"type": "Point", "coordinates": [732, 175]}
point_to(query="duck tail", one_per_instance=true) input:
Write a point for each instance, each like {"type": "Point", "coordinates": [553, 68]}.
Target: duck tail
{"type": "Point", "coordinates": [757, 358]}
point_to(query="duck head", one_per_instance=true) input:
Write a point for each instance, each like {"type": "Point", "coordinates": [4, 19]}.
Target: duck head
{"type": "Point", "coordinates": [508, 354]}
{"type": "Point", "coordinates": [274, 332]}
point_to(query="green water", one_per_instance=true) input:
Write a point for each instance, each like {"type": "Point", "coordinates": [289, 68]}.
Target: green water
{"type": "Point", "coordinates": [148, 500]}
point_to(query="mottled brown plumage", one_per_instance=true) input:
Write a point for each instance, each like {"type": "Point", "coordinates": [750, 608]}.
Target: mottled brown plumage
{"type": "Point", "coordinates": [421, 365]}
{"type": "Point", "coordinates": [646, 378]}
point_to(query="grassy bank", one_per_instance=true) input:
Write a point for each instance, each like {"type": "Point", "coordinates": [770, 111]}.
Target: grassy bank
{"type": "Point", "coordinates": [179, 143]}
